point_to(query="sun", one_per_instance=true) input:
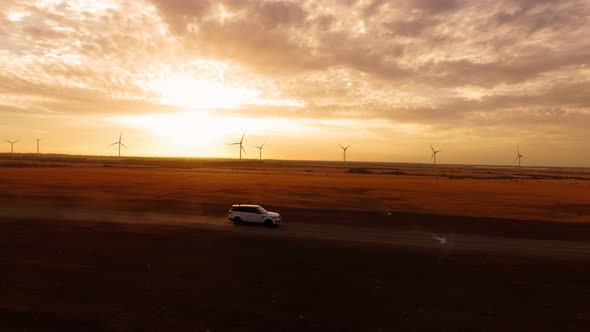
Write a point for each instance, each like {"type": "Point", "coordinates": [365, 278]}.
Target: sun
{"type": "Point", "coordinates": [202, 94]}
{"type": "Point", "coordinates": [211, 113]}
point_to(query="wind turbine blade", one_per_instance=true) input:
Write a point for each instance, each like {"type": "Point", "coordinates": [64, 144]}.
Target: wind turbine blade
{"type": "Point", "coordinates": [244, 134]}
{"type": "Point", "coordinates": [243, 149]}
{"type": "Point", "coordinates": [262, 145]}
{"type": "Point", "coordinates": [348, 146]}
{"type": "Point", "coordinates": [120, 135]}
{"type": "Point", "coordinates": [124, 145]}
{"type": "Point", "coordinates": [113, 144]}
{"type": "Point", "coordinates": [516, 159]}
{"type": "Point", "coordinates": [341, 146]}
{"type": "Point", "coordinates": [18, 140]}
{"type": "Point", "coordinates": [233, 143]}
{"type": "Point", "coordinates": [8, 141]}
{"type": "Point", "coordinates": [432, 148]}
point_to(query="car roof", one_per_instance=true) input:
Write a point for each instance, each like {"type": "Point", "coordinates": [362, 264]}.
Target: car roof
{"type": "Point", "coordinates": [246, 205]}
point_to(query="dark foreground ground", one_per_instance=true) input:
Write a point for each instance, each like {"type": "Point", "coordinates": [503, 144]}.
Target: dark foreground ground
{"type": "Point", "coordinates": [128, 246]}
{"type": "Point", "coordinates": [92, 276]}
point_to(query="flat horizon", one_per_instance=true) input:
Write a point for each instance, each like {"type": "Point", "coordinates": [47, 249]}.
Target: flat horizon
{"type": "Point", "coordinates": [341, 163]}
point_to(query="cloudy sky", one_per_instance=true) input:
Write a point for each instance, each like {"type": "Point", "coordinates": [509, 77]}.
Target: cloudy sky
{"type": "Point", "coordinates": [181, 77]}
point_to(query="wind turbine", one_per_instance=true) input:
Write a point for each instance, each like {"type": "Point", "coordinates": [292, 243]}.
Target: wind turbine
{"type": "Point", "coordinates": [119, 143]}
{"type": "Point", "coordinates": [518, 156]}
{"type": "Point", "coordinates": [433, 156]}
{"type": "Point", "coordinates": [12, 144]}
{"type": "Point", "coordinates": [38, 139]}
{"type": "Point", "coordinates": [344, 152]}
{"type": "Point", "coordinates": [241, 145]}
{"type": "Point", "coordinates": [260, 150]}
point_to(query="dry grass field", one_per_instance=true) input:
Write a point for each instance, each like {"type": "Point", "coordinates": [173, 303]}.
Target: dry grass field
{"type": "Point", "coordinates": [561, 196]}
{"type": "Point", "coordinates": [93, 244]}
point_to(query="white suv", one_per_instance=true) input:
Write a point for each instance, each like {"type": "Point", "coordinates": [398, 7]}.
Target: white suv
{"type": "Point", "coordinates": [240, 213]}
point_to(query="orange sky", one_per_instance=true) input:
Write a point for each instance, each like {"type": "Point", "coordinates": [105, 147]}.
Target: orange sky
{"type": "Point", "coordinates": [186, 78]}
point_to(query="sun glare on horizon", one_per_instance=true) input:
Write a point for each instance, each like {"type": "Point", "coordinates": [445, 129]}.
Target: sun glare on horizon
{"type": "Point", "coordinates": [202, 133]}
{"type": "Point", "coordinates": [212, 114]}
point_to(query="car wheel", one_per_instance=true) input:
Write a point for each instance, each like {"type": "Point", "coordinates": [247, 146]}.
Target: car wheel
{"type": "Point", "coordinates": [237, 220]}
{"type": "Point", "coordinates": [268, 223]}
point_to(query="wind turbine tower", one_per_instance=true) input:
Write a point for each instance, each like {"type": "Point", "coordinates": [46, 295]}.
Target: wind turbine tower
{"type": "Point", "coordinates": [434, 153]}
{"type": "Point", "coordinates": [259, 150]}
{"type": "Point", "coordinates": [38, 140]}
{"type": "Point", "coordinates": [120, 143]}
{"type": "Point", "coordinates": [12, 144]}
{"type": "Point", "coordinates": [344, 152]}
{"type": "Point", "coordinates": [240, 143]}
{"type": "Point", "coordinates": [518, 156]}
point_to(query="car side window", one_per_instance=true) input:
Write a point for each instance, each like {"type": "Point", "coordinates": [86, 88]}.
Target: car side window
{"type": "Point", "coordinates": [246, 209]}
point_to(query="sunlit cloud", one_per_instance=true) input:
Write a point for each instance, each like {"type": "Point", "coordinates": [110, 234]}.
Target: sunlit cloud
{"type": "Point", "coordinates": [16, 15]}
{"type": "Point", "coordinates": [208, 95]}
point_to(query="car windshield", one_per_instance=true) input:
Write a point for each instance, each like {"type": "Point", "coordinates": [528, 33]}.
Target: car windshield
{"type": "Point", "coordinates": [262, 210]}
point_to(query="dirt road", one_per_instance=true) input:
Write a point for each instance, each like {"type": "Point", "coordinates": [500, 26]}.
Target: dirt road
{"type": "Point", "coordinates": [440, 241]}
